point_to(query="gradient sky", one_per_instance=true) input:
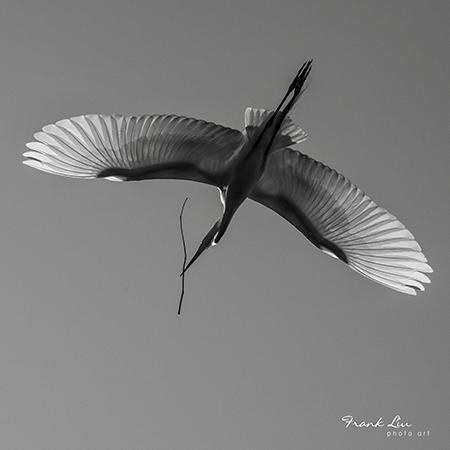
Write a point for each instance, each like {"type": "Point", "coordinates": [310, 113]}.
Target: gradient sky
{"type": "Point", "coordinates": [276, 341]}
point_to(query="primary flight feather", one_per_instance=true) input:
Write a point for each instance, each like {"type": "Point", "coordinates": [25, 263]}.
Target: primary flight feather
{"type": "Point", "coordinates": [257, 163]}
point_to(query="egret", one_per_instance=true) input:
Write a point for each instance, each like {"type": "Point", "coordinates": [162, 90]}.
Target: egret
{"type": "Point", "coordinates": [257, 163]}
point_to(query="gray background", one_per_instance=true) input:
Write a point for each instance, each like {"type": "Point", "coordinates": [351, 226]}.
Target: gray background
{"type": "Point", "coordinates": [277, 341]}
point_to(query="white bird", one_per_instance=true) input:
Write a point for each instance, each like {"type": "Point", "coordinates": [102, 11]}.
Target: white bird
{"type": "Point", "coordinates": [257, 163]}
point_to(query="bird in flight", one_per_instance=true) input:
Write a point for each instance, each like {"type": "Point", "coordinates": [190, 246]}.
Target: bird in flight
{"type": "Point", "coordinates": [259, 163]}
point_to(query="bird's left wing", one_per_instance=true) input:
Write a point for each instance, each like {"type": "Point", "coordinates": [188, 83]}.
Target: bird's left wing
{"type": "Point", "coordinates": [136, 148]}
{"type": "Point", "coordinates": [341, 220]}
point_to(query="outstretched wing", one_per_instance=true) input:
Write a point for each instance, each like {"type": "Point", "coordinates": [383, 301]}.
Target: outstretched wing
{"type": "Point", "coordinates": [341, 220]}
{"type": "Point", "coordinates": [136, 148]}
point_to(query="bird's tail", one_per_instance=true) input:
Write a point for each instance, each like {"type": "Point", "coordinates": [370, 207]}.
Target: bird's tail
{"type": "Point", "coordinates": [290, 133]}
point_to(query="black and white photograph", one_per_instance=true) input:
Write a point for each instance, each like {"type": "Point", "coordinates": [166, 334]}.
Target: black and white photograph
{"type": "Point", "coordinates": [224, 225]}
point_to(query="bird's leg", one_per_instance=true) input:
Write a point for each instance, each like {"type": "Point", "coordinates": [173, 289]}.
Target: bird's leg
{"type": "Point", "coordinates": [207, 241]}
{"type": "Point", "coordinates": [297, 87]}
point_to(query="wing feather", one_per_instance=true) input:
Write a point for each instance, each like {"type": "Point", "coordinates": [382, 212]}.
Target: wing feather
{"type": "Point", "coordinates": [341, 220]}
{"type": "Point", "coordinates": [135, 148]}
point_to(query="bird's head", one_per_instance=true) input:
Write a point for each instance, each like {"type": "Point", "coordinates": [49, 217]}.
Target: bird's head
{"type": "Point", "coordinates": [207, 242]}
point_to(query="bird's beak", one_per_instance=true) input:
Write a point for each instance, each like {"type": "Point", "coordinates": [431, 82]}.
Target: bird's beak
{"type": "Point", "coordinates": [207, 241]}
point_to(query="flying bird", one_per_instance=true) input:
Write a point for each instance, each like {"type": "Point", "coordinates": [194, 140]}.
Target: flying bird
{"type": "Point", "coordinates": [259, 163]}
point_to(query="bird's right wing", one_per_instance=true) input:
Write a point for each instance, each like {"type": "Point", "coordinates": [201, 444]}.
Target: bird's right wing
{"type": "Point", "coordinates": [341, 220]}
{"type": "Point", "coordinates": [123, 148]}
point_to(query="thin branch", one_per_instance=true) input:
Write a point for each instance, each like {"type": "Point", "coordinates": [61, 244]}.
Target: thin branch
{"type": "Point", "coordinates": [185, 256]}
